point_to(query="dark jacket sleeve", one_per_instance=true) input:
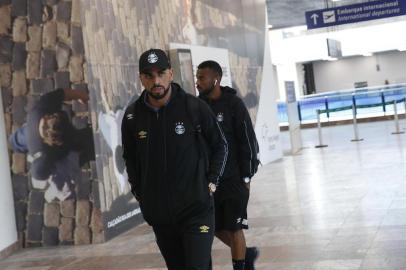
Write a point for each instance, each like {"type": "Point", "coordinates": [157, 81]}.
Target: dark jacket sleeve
{"type": "Point", "coordinates": [216, 141]}
{"type": "Point", "coordinates": [129, 150]}
{"type": "Point", "coordinates": [247, 144]}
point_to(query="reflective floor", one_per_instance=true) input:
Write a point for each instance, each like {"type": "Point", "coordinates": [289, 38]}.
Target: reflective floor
{"type": "Point", "coordinates": [339, 208]}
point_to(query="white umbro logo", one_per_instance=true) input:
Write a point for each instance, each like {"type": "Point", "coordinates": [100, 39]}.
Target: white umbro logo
{"type": "Point", "coordinates": [152, 58]}
{"type": "Point", "coordinates": [130, 116]}
{"type": "Point", "coordinates": [220, 117]}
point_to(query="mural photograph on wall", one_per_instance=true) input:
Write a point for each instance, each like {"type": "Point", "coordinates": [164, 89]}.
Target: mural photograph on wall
{"type": "Point", "coordinates": [117, 32]}
{"type": "Point", "coordinates": [45, 101]}
{"type": "Point", "coordinates": [56, 149]}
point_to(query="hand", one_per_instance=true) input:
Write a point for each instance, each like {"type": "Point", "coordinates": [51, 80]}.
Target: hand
{"type": "Point", "coordinates": [212, 188]}
{"type": "Point", "coordinates": [83, 96]}
{"type": "Point", "coordinates": [247, 185]}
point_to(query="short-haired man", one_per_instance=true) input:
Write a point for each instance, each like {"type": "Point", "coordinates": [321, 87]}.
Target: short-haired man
{"type": "Point", "coordinates": [231, 198]}
{"type": "Point", "coordinates": [165, 164]}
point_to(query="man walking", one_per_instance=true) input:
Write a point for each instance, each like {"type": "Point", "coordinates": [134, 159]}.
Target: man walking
{"type": "Point", "coordinates": [231, 198]}
{"type": "Point", "coordinates": [171, 176]}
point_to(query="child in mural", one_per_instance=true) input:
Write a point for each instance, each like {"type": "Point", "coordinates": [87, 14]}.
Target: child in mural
{"type": "Point", "coordinates": [56, 149]}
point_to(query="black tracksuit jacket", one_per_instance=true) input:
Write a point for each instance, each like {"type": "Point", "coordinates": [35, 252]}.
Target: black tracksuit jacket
{"type": "Point", "coordinates": [161, 152]}
{"type": "Point", "coordinates": [236, 123]}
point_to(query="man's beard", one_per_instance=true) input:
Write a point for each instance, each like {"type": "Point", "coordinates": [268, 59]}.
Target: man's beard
{"type": "Point", "coordinates": [158, 96]}
{"type": "Point", "coordinates": [206, 92]}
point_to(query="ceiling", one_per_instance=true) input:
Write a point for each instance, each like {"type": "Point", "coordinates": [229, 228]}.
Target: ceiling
{"type": "Point", "coordinates": [287, 13]}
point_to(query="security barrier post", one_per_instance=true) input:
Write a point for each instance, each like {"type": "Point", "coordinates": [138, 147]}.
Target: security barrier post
{"type": "Point", "coordinates": [320, 145]}
{"type": "Point", "coordinates": [396, 118]}
{"type": "Point", "coordinates": [354, 120]}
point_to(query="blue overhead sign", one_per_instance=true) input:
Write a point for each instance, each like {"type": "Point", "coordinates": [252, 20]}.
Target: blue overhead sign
{"type": "Point", "coordinates": [355, 13]}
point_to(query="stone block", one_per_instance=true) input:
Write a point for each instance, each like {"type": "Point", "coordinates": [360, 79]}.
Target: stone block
{"type": "Point", "coordinates": [6, 49]}
{"type": "Point", "coordinates": [7, 96]}
{"type": "Point", "coordinates": [34, 228]}
{"type": "Point", "coordinates": [93, 170]}
{"type": "Point", "coordinates": [19, 56]}
{"type": "Point", "coordinates": [82, 212]}
{"type": "Point", "coordinates": [49, 35]}
{"type": "Point", "coordinates": [18, 111]}
{"type": "Point", "coordinates": [20, 187]}
{"type": "Point", "coordinates": [34, 43]}
{"type": "Point", "coordinates": [51, 214]}
{"type": "Point", "coordinates": [5, 19]}
{"type": "Point", "coordinates": [41, 86]}
{"type": "Point", "coordinates": [96, 194]}
{"type": "Point", "coordinates": [20, 208]}
{"type": "Point", "coordinates": [5, 2]}
{"type": "Point", "coordinates": [68, 208]}
{"type": "Point", "coordinates": [48, 63]}
{"type": "Point", "coordinates": [63, 11]}
{"type": "Point", "coordinates": [82, 235]}
{"type": "Point", "coordinates": [19, 83]}
{"type": "Point", "coordinates": [50, 236]}
{"type": "Point", "coordinates": [33, 65]}
{"type": "Point", "coordinates": [62, 79]}
{"type": "Point", "coordinates": [76, 69]}
{"type": "Point", "coordinates": [50, 2]}
{"type": "Point", "coordinates": [83, 187]}
{"type": "Point", "coordinates": [18, 163]}
{"type": "Point", "coordinates": [19, 8]}
{"type": "Point", "coordinates": [66, 229]}
{"type": "Point", "coordinates": [47, 13]}
{"type": "Point", "coordinates": [62, 55]}
{"type": "Point", "coordinates": [7, 121]}
{"type": "Point", "coordinates": [32, 244]}
{"type": "Point", "coordinates": [36, 202]}
{"type": "Point", "coordinates": [77, 40]}
{"type": "Point", "coordinates": [5, 75]}
{"type": "Point", "coordinates": [20, 30]}
{"type": "Point", "coordinates": [97, 221]}
{"type": "Point", "coordinates": [75, 16]}
{"type": "Point", "coordinates": [98, 238]}
{"type": "Point", "coordinates": [63, 31]}
{"type": "Point", "coordinates": [35, 12]}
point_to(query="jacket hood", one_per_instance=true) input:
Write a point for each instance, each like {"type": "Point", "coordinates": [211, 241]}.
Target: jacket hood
{"type": "Point", "coordinates": [228, 90]}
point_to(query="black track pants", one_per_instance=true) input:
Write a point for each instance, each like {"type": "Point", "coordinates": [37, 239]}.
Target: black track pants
{"type": "Point", "coordinates": [187, 246]}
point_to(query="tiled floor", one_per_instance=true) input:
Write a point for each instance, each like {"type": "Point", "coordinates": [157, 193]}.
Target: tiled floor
{"type": "Point", "coordinates": [339, 208]}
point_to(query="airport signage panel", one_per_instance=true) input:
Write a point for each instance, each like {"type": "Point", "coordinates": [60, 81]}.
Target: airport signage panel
{"type": "Point", "coordinates": [355, 13]}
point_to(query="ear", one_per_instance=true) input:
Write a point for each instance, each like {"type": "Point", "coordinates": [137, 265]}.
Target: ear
{"type": "Point", "coordinates": [171, 74]}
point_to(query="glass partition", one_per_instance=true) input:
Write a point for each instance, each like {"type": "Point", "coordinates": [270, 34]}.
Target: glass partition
{"type": "Point", "coordinates": [369, 101]}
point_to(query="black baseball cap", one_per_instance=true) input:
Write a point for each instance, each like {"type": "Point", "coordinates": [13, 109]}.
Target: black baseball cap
{"type": "Point", "coordinates": [153, 58]}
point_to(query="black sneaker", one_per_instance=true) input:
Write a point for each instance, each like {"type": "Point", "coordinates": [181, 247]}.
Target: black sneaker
{"type": "Point", "coordinates": [251, 255]}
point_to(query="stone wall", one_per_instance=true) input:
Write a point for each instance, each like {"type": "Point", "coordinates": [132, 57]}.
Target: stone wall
{"type": "Point", "coordinates": [41, 49]}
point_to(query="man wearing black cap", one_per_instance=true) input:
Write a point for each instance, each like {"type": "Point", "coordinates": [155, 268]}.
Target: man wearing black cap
{"type": "Point", "coordinates": [231, 198]}
{"type": "Point", "coordinates": [170, 175]}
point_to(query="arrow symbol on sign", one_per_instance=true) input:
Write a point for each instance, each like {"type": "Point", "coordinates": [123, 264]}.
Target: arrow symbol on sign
{"type": "Point", "coordinates": [314, 17]}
